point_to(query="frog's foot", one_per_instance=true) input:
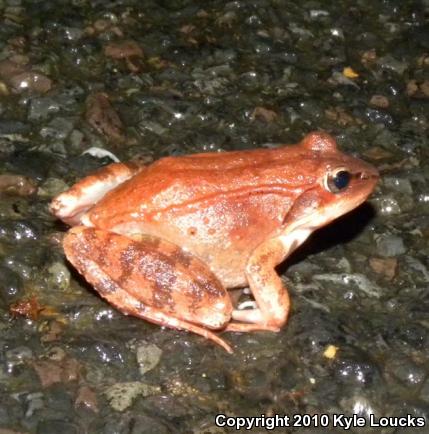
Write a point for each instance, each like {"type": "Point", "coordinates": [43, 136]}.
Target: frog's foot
{"type": "Point", "coordinates": [72, 204]}
{"type": "Point", "coordinates": [131, 306]}
{"type": "Point", "coordinates": [248, 327]}
{"type": "Point", "coordinates": [152, 279]}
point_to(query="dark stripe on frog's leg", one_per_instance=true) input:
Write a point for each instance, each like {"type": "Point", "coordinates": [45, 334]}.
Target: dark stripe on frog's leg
{"type": "Point", "coordinates": [181, 257]}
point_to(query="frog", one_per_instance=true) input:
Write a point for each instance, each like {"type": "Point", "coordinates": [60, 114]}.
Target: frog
{"type": "Point", "coordinates": [167, 241]}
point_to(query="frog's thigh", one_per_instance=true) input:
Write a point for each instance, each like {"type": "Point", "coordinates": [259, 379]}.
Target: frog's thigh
{"type": "Point", "coordinates": [270, 295]}
{"type": "Point", "coordinates": [152, 279]}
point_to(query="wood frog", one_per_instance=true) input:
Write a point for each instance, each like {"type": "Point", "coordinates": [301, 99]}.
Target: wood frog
{"type": "Point", "coordinates": [163, 242]}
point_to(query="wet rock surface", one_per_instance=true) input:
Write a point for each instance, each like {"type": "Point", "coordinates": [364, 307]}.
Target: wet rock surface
{"type": "Point", "coordinates": [149, 79]}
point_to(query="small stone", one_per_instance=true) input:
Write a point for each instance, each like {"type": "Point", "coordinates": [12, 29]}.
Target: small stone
{"type": "Point", "coordinates": [407, 371]}
{"type": "Point", "coordinates": [59, 276]}
{"type": "Point", "coordinates": [346, 279]}
{"type": "Point", "coordinates": [34, 402]}
{"type": "Point", "coordinates": [48, 372]}
{"type": "Point", "coordinates": [417, 89]}
{"type": "Point", "coordinates": [73, 33]}
{"type": "Point", "coordinates": [58, 128]}
{"type": "Point", "coordinates": [8, 127]}
{"type": "Point", "coordinates": [148, 356]}
{"type": "Point", "coordinates": [42, 107]}
{"type": "Point", "coordinates": [87, 398]}
{"type": "Point", "coordinates": [339, 115]}
{"type": "Point", "coordinates": [57, 354]}
{"type": "Point", "coordinates": [389, 63]}
{"type": "Point", "coordinates": [263, 114]}
{"type": "Point", "coordinates": [390, 245]}
{"type": "Point", "coordinates": [101, 25]}
{"type": "Point", "coordinates": [17, 185]}
{"type": "Point", "coordinates": [411, 88]}
{"type": "Point", "coordinates": [53, 332]}
{"type": "Point", "coordinates": [51, 372]}
{"type": "Point", "coordinates": [51, 187]}
{"type": "Point", "coordinates": [378, 116]}
{"type": "Point", "coordinates": [129, 51]}
{"type": "Point", "coordinates": [387, 205]}
{"type": "Point", "coordinates": [11, 285]}
{"type": "Point", "coordinates": [123, 50]}
{"type": "Point", "coordinates": [379, 101]}
{"type": "Point", "coordinates": [102, 116]}
{"type": "Point", "coordinates": [369, 57]}
{"type": "Point", "coordinates": [386, 267]}
{"type": "Point", "coordinates": [424, 87]}
{"type": "Point", "coordinates": [17, 356]}
{"type": "Point", "coordinates": [399, 184]}
{"type": "Point", "coordinates": [30, 80]}
{"type": "Point", "coordinates": [122, 395]}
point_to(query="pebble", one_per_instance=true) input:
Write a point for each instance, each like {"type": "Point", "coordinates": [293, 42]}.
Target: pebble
{"type": "Point", "coordinates": [101, 115]}
{"type": "Point", "coordinates": [58, 128]}
{"type": "Point", "coordinates": [40, 108]}
{"type": "Point", "coordinates": [148, 356]}
{"type": "Point", "coordinates": [389, 245]}
{"type": "Point", "coordinates": [406, 371]}
{"type": "Point", "coordinates": [402, 185]}
{"type": "Point", "coordinates": [18, 231]}
{"type": "Point", "coordinates": [122, 395]}
{"type": "Point", "coordinates": [384, 266]}
{"type": "Point", "coordinates": [379, 101]}
{"type": "Point", "coordinates": [86, 397]}
{"type": "Point", "coordinates": [379, 116]}
{"type": "Point", "coordinates": [17, 184]}
{"type": "Point", "coordinates": [13, 127]}
{"type": "Point", "coordinates": [59, 276]}
{"type": "Point", "coordinates": [387, 205]}
{"type": "Point", "coordinates": [361, 281]}
{"type": "Point", "coordinates": [31, 81]}
{"type": "Point", "coordinates": [17, 356]}
{"type": "Point", "coordinates": [11, 286]}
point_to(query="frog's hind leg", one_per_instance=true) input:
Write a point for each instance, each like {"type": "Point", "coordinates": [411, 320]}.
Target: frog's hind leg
{"type": "Point", "coordinates": [70, 205]}
{"type": "Point", "coordinates": [152, 279]}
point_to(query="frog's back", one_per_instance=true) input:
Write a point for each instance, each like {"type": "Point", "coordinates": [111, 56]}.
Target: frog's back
{"type": "Point", "coordinates": [180, 182]}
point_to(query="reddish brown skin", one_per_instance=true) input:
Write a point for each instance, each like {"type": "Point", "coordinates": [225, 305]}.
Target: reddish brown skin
{"type": "Point", "coordinates": [228, 218]}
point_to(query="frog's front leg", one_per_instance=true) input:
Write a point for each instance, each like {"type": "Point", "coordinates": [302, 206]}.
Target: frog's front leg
{"type": "Point", "coordinates": [152, 279]}
{"type": "Point", "coordinates": [271, 296]}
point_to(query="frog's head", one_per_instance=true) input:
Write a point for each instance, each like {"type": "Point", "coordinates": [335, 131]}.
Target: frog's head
{"type": "Point", "coordinates": [339, 184]}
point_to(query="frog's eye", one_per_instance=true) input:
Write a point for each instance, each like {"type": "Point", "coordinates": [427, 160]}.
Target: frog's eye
{"type": "Point", "coordinates": [337, 181]}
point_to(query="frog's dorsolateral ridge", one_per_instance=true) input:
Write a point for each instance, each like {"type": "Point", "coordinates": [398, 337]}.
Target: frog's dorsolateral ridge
{"type": "Point", "coordinates": [163, 242]}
